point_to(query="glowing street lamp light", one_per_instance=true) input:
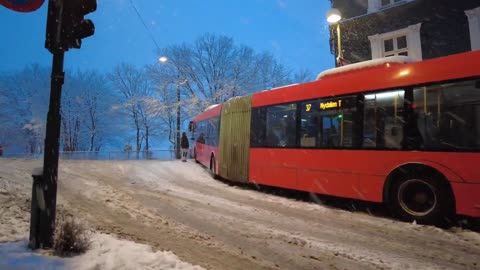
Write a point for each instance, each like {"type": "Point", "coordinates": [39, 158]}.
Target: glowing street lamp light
{"type": "Point", "coordinates": [333, 17]}
{"type": "Point", "coordinates": [163, 59]}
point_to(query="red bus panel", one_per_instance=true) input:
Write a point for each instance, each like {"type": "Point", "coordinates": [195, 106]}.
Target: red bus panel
{"type": "Point", "coordinates": [361, 174]}
{"type": "Point", "coordinates": [374, 78]}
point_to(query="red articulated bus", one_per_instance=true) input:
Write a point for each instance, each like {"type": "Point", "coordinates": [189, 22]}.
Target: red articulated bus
{"type": "Point", "coordinates": [206, 127]}
{"type": "Point", "coordinates": [403, 133]}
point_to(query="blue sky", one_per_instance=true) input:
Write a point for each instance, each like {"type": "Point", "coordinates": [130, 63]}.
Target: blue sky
{"type": "Point", "coordinates": [295, 31]}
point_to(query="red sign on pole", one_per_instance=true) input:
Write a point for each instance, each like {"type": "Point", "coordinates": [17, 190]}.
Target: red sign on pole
{"type": "Point", "coordinates": [22, 5]}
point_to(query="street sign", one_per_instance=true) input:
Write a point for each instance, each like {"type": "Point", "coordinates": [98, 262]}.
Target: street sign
{"type": "Point", "coordinates": [22, 5]}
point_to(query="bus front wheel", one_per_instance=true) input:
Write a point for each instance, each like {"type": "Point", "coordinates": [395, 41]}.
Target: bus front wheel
{"type": "Point", "coordinates": [425, 199]}
{"type": "Point", "coordinates": [195, 155]}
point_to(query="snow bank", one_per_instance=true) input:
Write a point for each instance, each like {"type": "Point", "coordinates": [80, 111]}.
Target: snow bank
{"type": "Point", "coordinates": [105, 253]}
{"type": "Point", "coordinates": [17, 256]}
{"type": "Point", "coordinates": [108, 252]}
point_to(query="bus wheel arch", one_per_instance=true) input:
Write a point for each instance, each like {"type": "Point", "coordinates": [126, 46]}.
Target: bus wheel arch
{"type": "Point", "coordinates": [421, 193]}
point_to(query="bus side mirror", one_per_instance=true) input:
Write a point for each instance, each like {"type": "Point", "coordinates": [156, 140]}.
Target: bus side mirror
{"type": "Point", "coordinates": [190, 126]}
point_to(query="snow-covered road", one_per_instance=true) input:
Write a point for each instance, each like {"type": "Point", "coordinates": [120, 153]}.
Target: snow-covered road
{"type": "Point", "coordinates": [177, 206]}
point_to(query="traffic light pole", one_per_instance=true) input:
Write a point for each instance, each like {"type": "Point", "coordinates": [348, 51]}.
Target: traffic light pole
{"type": "Point", "coordinates": [66, 27]}
{"type": "Point", "coordinates": [44, 192]}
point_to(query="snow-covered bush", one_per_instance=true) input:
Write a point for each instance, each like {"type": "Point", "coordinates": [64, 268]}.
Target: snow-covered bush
{"type": "Point", "coordinates": [71, 237]}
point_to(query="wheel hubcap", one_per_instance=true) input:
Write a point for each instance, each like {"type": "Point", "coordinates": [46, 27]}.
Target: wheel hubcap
{"type": "Point", "coordinates": [417, 197]}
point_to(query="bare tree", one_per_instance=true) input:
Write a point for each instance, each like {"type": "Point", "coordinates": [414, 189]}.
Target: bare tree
{"type": "Point", "coordinates": [303, 76]}
{"type": "Point", "coordinates": [270, 72]}
{"type": "Point", "coordinates": [217, 69]}
{"type": "Point", "coordinates": [210, 70]}
{"type": "Point", "coordinates": [135, 91]}
{"type": "Point", "coordinates": [165, 110]}
{"type": "Point", "coordinates": [70, 125]}
{"type": "Point", "coordinates": [94, 106]}
{"type": "Point", "coordinates": [23, 107]}
{"type": "Point", "coordinates": [35, 131]}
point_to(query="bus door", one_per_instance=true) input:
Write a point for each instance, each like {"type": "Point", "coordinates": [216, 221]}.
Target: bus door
{"type": "Point", "coordinates": [328, 132]}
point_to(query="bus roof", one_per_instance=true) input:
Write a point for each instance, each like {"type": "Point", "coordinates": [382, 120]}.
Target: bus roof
{"type": "Point", "coordinates": [211, 111]}
{"type": "Point", "coordinates": [376, 77]}
{"type": "Point", "coordinates": [367, 64]}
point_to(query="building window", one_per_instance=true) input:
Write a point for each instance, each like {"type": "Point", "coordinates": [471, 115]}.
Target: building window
{"type": "Point", "coordinates": [474, 26]}
{"type": "Point", "coordinates": [376, 5]}
{"type": "Point", "coordinates": [404, 41]}
{"type": "Point", "coordinates": [395, 46]}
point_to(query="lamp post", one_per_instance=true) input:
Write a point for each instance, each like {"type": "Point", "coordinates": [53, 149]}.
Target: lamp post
{"type": "Point", "coordinates": [164, 60]}
{"type": "Point", "coordinates": [333, 17]}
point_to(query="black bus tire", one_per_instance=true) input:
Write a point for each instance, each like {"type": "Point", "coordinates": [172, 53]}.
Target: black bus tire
{"type": "Point", "coordinates": [213, 168]}
{"type": "Point", "coordinates": [423, 198]}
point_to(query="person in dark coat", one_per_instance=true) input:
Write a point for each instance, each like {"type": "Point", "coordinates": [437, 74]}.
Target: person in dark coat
{"type": "Point", "coordinates": [184, 145]}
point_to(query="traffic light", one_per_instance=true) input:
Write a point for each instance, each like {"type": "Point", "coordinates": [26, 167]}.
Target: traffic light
{"type": "Point", "coordinates": [74, 26]}
{"type": "Point", "coordinates": [66, 25]}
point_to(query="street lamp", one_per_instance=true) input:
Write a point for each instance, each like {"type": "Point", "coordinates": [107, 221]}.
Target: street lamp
{"type": "Point", "coordinates": [333, 17]}
{"type": "Point", "coordinates": [164, 60]}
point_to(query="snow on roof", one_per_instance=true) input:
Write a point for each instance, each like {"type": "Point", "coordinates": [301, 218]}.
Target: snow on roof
{"type": "Point", "coordinates": [211, 107]}
{"type": "Point", "coordinates": [235, 97]}
{"type": "Point", "coordinates": [283, 86]}
{"type": "Point", "coordinates": [367, 64]}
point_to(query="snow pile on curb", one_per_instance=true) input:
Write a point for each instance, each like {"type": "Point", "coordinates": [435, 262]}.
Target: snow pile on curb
{"type": "Point", "coordinates": [14, 215]}
{"type": "Point", "coordinates": [106, 253]}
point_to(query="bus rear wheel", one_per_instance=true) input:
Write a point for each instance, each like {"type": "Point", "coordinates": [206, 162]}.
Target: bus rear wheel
{"type": "Point", "coordinates": [425, 199]}
{"type": "Point", "coordinates": [213, 168]}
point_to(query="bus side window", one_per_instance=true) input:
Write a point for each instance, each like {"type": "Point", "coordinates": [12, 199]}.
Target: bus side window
{"type": "Point", "coordinates": [258, 127]}
{"type": "Point", "coordinates": [383, 120]}
{"type": "Point", "coordinates": [309, 123]}
{"type": "Point", "coordinates": [281, 125]}
{"type": "Point", "coordinates": [328, 123]}
{"type": "Point", "coordinates": [448, 116]}
{"type": "Point", "coordinates": [200, 130]}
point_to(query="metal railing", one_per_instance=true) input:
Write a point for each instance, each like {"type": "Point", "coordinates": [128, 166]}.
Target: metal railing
{"type": "Point", "coordinates": [104, 155]}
